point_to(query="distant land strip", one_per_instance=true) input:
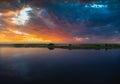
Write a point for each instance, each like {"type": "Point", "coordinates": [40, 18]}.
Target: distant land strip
{"type": "Point", "coordinates": [52, 46]}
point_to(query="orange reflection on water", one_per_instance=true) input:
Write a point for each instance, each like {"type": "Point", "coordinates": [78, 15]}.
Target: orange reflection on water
{"type": "Point", "coordinates": [28, 52]}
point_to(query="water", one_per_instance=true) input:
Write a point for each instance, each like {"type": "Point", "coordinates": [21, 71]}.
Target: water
{"type": "Point", "coordinates": [44, 64]}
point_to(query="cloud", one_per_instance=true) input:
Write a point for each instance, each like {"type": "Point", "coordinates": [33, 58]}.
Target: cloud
{"type": "Point", "coordinates": [63, 20]}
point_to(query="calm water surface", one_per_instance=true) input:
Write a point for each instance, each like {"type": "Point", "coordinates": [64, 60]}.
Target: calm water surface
{"type": "Point", "coordinates": [42, 63]}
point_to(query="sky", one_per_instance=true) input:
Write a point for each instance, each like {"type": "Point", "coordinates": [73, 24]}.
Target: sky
{"type": "Point", "coordinates": [59, 21]}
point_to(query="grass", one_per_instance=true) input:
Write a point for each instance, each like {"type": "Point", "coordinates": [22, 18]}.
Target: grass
{"type": "Point", "coordinates": [52, 46]}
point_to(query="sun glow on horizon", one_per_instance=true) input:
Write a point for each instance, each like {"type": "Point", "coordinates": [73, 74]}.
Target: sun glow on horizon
{"type": "Point", "coordinates": [15, 30]}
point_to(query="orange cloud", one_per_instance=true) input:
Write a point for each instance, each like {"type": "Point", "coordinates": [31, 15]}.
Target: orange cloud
{"type": "Point", "coordinates": [30, 33]}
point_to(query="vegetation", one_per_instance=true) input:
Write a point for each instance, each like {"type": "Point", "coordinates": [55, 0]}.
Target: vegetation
{"type": "Point", "coordinates": [51, 46]}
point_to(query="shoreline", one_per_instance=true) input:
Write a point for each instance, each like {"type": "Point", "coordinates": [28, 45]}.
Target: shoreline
{"type": "Point", "coordinates": [52, 46]}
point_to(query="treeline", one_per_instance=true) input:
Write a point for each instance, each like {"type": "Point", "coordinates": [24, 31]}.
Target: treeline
{"type": "Point", "coordinates": [65, 46]}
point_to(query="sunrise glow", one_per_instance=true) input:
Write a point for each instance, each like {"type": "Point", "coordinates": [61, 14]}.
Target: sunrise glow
{"type": "Point", "coordinates": [16, 22]}
{"type": "Point", "coordinates": [74, 21]}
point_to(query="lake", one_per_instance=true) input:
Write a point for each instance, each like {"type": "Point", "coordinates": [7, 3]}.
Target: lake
{"type": "Point", "coordinates": [59, 64]}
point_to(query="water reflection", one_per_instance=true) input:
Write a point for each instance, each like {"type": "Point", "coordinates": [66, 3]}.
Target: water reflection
{"type": "Point", "coordinates": [42, 63]}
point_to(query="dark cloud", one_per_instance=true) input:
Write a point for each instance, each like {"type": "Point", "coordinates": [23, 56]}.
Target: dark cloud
{"type": "Point", "coordinates": [96, 19]}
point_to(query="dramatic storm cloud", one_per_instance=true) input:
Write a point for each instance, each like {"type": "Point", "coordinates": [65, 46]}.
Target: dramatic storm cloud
{"type": "Point", "coordinates": [60, 21]}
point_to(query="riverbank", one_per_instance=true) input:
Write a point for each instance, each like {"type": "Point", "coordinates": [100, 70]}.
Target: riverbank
{"type": "Point", "coordinates": [65, 46]}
